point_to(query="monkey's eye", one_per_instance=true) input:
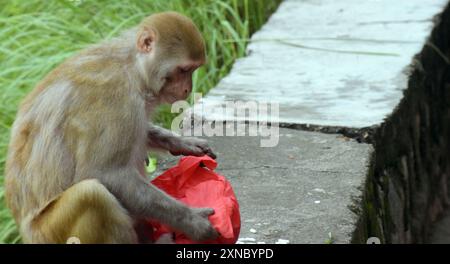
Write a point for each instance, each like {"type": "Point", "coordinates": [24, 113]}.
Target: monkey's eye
{"type": "Point", "coordinates": [184, 69]}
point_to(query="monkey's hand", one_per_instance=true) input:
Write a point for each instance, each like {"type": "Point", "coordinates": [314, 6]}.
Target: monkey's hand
{"type": "Point", "coordinates": [192, 146]}
{"type": "Point", "coordinates": [161, 138]}
{"type": "Point", "coordinates": [197, 226]}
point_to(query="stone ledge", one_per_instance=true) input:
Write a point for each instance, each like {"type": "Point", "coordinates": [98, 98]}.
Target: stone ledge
{"type": "Point", "coordinates": [328, 63]}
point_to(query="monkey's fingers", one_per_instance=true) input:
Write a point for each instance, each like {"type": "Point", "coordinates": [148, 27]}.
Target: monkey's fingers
{"type": "Point", "coordinates": [207, 212]}
{"type": "Point", "coordinates": [211, 154]}
{"type": "Point", "coordinates": [195, 151]}
{"type": "Point", "coordinates": [204, 212]}
{"type": "Point", "coordinates": [214, 234]}
{"type": "Point", "coordinates": [208, 151]}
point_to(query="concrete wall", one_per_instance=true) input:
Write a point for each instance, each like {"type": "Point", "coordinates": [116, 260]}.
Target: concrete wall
{"type": "Point", "coordinates": [407, 185]}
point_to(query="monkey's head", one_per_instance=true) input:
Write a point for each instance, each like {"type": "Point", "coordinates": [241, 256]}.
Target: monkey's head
{"type": "Point", "coordinates": [170, 48]}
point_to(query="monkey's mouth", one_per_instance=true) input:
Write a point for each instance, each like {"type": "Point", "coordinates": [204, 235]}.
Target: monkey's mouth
{"type": "Point", "coordinates": [170, 99]}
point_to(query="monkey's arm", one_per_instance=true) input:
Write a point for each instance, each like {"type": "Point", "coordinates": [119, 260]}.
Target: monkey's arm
{"type": "Point", "coordinates": [145, 200]}
{"type": "Point", "coordinates": [161, 138]}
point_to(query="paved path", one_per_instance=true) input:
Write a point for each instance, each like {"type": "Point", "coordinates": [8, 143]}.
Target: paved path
{"type": "Point", "coordinates": [300, 191]}
{"type": "Point", "coordinates": [327, 63]}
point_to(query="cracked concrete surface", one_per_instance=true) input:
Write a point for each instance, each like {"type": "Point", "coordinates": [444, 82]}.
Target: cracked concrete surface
{"type": "Point", "coordinates": [300, 191]}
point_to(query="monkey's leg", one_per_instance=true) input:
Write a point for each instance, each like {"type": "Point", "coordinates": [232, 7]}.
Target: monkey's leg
{"type": "Point", "coordinates": [88, 212]}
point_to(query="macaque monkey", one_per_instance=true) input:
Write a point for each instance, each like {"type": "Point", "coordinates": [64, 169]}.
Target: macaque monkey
{"type": "Point", "coordinates": [75, 165]}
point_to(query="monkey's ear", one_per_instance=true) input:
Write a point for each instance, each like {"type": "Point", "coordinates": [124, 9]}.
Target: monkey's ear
{"type": "Point", "coordinates": [146, 40]}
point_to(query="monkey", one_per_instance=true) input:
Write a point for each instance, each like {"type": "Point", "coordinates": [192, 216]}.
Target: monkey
{"type": "Point", "coordinates": [75, 164]}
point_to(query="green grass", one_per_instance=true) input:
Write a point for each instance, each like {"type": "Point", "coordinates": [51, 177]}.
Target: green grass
{"type": "Point", "coordinates": [37, 35]}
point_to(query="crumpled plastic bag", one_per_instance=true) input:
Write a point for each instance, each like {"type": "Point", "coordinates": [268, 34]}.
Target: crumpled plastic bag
{"type": "Point", "coordinates": [194, 183]}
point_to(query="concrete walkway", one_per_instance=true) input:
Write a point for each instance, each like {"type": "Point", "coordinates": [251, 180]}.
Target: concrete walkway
{"type": "Point", "coordinates": [327, 63]}
{"type": "Point", "coordinates": [301, 190]}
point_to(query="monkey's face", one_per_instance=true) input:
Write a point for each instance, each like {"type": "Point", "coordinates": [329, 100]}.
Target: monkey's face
{"type": "Point", "coordinates": [178, 82]}
{"type": "Point", "coordinates": [170, 49]}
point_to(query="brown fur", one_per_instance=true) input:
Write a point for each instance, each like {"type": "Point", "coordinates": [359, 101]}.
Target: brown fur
{"type": "Point", "coordinates": [174, 30]}
{"type": "Point", "coordinates": [94, 208]}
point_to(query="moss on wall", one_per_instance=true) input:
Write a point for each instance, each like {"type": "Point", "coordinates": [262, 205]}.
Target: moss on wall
{"type": "Point", "coordinates": [407, 185]}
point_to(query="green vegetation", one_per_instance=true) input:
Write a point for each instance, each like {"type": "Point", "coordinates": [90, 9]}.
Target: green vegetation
{"type": "Point", "coordinates": [37, 35]}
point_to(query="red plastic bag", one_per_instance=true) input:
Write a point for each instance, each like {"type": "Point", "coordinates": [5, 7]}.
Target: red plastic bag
{"type": "Point", "coordinates": [194, 183]}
